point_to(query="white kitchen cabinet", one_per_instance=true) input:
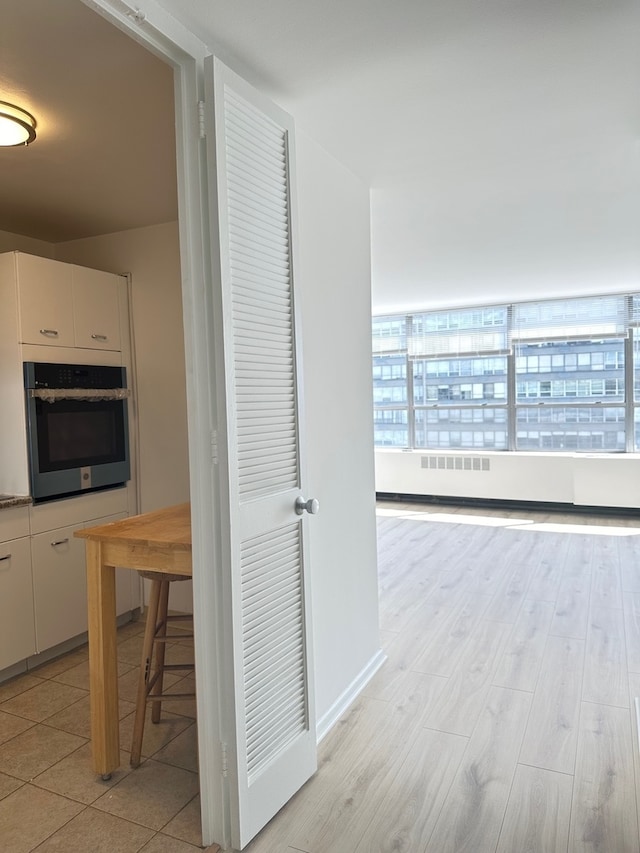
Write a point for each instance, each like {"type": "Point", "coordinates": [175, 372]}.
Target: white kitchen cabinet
{"type": "Point", "coordinates": [60, 583]}
{"type": "Point", "coordinates": [65, 305]}
{"type": "Point", "coordinates": [96, 315]}
{"type": "Point", "coordinates": [17, 631]}
{"type": "Point", "coordinates": [59, 564]}
{"type": "Point", "coordinates": [59, 586]}
{"type": "Point", "coordinates": [45, 301]}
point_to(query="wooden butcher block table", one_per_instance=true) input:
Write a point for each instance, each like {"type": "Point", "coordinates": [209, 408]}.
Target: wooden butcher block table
{"type": "Point", "coordinates": [159, 541]}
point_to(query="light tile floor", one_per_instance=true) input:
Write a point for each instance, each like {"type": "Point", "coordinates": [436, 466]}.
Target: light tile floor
{"type": "Point", "coordinates": [50, 798]}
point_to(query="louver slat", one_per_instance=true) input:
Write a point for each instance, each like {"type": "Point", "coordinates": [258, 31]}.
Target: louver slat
{"type": "Point", "coordinates": [267, 282]}
{"type": "Point", "coordinates": [256, 122]}
{"type": "Point", "coordinates": [262, 307]}
{"type": "Point", "coordinates": [261, 606]}
{"type": "Point", "coordinates": [269, 438]}
{"type": "Point", "coordinates": [273, 642]}
{"type": "Point", "coordinates": [274, 658]}
{"type": "Point", "coordinates": [260, 225]}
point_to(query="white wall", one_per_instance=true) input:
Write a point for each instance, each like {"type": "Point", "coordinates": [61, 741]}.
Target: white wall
{"type": "Point", "coordinates": [528, 188]}
{"type": "Point", "coordinates": [563, 478]}
{"type": "Point", "coordinates": [335, 277]}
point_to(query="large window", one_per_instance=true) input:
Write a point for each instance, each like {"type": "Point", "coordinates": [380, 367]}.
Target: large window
{"type": "Point", "coordinates": [562, 374]}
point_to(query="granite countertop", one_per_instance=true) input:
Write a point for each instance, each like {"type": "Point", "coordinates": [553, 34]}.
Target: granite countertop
{"type": "Point", "coordinates": [8, 501]}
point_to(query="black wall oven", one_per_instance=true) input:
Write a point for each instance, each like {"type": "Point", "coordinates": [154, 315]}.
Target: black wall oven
{"type": "Point", "coordinates": [77, 428]}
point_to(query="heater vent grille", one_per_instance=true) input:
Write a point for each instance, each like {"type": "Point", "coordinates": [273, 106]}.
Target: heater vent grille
{"type": "Point", "coordinates": [456, 463]}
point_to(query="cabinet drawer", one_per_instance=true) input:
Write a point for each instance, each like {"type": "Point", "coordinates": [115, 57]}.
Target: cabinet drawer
{"type": "Point", "coordinates": [14, 522]}
{"type": "Point", "coordinates": [78, 510]}
{"type": "Point", "coordinates": [17, 632]}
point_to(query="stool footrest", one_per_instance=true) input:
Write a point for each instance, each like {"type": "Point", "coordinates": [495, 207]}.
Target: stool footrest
{"type": "Point", "coordinates": [168, 638]}
{"type": "Point", "coordinates": [164, 696]}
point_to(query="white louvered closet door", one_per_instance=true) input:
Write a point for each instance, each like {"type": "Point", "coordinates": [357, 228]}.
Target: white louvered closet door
{"type": "Point", "coordinates": [271, 726]}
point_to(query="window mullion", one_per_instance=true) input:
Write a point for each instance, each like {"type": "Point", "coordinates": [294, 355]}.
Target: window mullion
{"type": "Point", "coordinates": [411, 411]}
{"type": "Point", "coordinates": [512, 419]}
{"type": "Point", "coordinates": [629, 408]}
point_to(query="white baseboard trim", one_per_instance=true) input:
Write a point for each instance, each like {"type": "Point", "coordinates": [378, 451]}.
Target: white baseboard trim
{"type": "Point", "coordinates": [328, 720]}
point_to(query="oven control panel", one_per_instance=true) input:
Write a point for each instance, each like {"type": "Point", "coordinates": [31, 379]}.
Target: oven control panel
{"type": "Point", "coordinates": [44, 375]}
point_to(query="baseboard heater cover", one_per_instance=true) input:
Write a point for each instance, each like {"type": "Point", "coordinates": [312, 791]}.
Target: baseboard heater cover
{"type": "Point", "coordinates": [503, 503]}
{"type": "Point", "coordinates": [438, 462]}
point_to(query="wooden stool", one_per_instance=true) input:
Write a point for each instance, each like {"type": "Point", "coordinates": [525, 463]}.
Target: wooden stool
{"type": "Point", "coordinates": [153, 667]}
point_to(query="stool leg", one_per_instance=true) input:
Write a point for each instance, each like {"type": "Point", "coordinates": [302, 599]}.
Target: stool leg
{"type": "Point", "coordinates": [160, 649]}
{"type": "Point", "coordinates": [145, 673]}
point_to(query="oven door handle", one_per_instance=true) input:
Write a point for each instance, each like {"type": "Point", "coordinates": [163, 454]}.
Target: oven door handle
{"type": "Point", "coordinates": [51, 395]}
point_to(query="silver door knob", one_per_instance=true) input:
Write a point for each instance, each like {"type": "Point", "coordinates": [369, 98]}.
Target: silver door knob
{"type": "Point", "coordinates": [311, 506]}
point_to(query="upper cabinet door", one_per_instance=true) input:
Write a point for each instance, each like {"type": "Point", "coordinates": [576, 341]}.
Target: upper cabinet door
{"type": "Point", "coordinates": [95, 309]}
{"type": "Point", "coordinates": [266, 614]}
{"type": "Point", "coordinates": [45, 301]}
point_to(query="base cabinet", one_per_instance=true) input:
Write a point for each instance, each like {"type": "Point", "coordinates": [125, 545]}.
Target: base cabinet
{"type": "Point", "coordinates": [59, 564]}
{"type": "Point", "coordinates": [43, 575]}
{"type": "Point", "coordinates": [17, 630]}
{"type": "Point", "coordinates": [59, 586]}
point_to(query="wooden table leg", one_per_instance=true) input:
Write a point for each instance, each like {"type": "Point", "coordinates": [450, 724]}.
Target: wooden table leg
{"type": "Point", "coordinates": [103, 663]}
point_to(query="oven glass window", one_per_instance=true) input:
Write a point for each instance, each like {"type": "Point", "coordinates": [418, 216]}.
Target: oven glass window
{"type": "Point", "coordinates": [73, 434]}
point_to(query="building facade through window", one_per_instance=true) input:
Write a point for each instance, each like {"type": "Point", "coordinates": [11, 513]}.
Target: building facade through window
{"type": "Point", "coordinates": [556, 375]}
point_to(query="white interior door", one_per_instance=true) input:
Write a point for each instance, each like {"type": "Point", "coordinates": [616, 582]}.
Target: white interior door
{"type": "Point", "coordinates": [268, 707]}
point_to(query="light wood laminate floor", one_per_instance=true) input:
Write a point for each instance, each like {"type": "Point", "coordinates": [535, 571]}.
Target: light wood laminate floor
{"type": "Point", "coordinates": [503, 720]}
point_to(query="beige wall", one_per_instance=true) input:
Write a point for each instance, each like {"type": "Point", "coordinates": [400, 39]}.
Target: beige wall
{"type": "Point", "coordinates": [152, 256]}
{"type": "Point", "coordinates": [16, 242]}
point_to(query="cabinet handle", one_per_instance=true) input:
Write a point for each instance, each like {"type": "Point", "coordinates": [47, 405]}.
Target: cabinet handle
{"type": "Point", "coordinates": [6, 557]}
{"type": "Point", "coordinates": [52, 333]}
{"type": "Point", "coordinates": [99, 337]}
{"type": "Point", "coordinates": [59, 542]}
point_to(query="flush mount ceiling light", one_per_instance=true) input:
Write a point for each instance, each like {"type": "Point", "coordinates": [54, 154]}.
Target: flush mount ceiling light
{"type": "Point", "coordinates": [17, 126]}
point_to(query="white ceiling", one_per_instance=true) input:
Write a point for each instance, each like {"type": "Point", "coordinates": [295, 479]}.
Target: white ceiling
{"type": "Point", "coordinates": [411, 87]}
{"type": "Point", "coordinates": [437, 104]}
